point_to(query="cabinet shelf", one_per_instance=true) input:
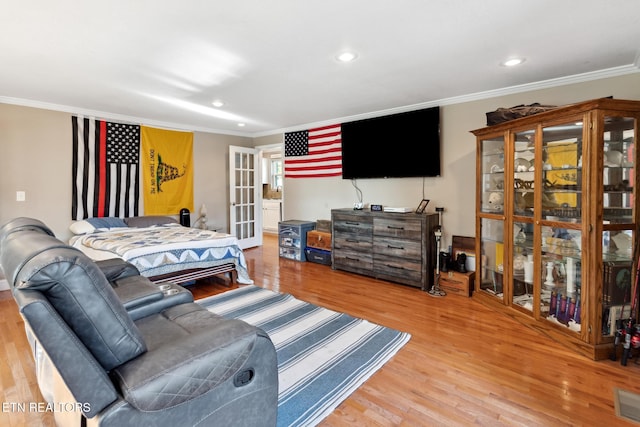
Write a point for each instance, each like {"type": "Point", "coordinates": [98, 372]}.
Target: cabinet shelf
{"type": "Point", "coordinates": [554, 234]}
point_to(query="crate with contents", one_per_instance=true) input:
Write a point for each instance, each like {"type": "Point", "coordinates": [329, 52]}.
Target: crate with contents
{"type": "Point", "coordinates": [318, 247]}
{"type": "Point", "coordinates": [457, 269]}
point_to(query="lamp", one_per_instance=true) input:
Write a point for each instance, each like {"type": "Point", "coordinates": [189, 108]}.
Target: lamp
{"type": "Point", "coordinates": [202, 219]}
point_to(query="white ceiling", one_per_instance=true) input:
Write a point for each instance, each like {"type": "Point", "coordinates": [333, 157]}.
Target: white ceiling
{"type": "Point", "coordinates": [162, 62]}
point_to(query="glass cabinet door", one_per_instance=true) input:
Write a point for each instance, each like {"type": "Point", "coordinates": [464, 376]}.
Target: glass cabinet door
{"type": "Point", "coordinates": [562, 172]}
{"type": "Point", "coordinates": [523, 173]}
{"type": "Point", "coordinates": [618, 221]}
{"type": "Point", "coordinates": [492, 250]}
{"type": "Point", "coordinates": [492, 192]}
{"type": "Point", "coordinates": [523, 209]}
{"type": "Point", "coordinates": [523, 267]}
{"type": "Point", "coordinates": [561, 251]}
{"type": "Point", "coordinates": [492, 175]}
{"type": "Point", "coordinates": [561, 278]}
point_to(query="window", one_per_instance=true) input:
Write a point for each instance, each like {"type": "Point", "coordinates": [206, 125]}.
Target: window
{"type": "Point", "coordinates": [276, 174]}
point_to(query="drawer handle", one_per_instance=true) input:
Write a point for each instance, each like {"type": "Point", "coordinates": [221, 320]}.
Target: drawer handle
{"type": "Point", "coordinates": [395, 228]}
{"type": "Point", "coordinates": [395, 247]}
{"type": "Point", "coordinates": [396, 267]}
{"type": "Point", "coordinates": [352, 259]}
{"type": "Point", "coordinates": [352, 223]}
{"type": "Point", "coordinates": [352, 240]}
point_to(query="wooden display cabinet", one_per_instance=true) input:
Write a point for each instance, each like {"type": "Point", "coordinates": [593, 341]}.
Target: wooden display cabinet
{"type": "Point", "coordinates": [556, 218]}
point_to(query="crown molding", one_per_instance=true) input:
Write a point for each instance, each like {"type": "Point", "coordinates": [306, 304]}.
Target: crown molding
{"type": "Point", "coordinates": [116, 117]}
{"type": "Point", "coordinates": [544, 84]}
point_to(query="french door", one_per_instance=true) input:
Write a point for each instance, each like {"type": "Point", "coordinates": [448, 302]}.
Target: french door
{"type": "Point", "coordinates": [245, 214]}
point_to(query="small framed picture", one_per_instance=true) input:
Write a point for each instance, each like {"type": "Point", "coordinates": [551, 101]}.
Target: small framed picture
{"type": "Point", "coordinates": [422, 206]}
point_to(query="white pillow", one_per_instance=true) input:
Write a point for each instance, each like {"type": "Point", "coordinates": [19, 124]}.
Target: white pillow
{"type": "Point", "coordinates": [81, 227]}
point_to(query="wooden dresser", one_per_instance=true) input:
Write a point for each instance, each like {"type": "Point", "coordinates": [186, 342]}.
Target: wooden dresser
{"type": "Point", "coordinates": [399, 247]}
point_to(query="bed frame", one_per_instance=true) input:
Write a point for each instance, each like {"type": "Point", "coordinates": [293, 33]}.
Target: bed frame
{"type": "Point", "coordinates": [185, 276]}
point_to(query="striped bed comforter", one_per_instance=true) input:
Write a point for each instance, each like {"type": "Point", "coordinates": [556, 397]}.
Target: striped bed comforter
{"type": "Point", "coordinates": [165, 249]}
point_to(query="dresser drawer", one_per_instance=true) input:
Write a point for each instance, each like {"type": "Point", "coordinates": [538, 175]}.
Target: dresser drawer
{"type": "Point", "coordinates": [393, 227]}
{"type": "Point", "coordinates": [398, 270]}
{"type": "Point", "coordinates": [403, 248]}
{"type": "Point", "coordinates": [354, 242]}
{"type": "Point", "coordinates": [352, 224]}
{"type": "Point", "coordinates": [353, 261]}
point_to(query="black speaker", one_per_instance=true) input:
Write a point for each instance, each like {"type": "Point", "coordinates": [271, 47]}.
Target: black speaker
{"type": "Point", "coordinates": [185, 217]}
{"type": "Point", "coordinates": [445, 260]}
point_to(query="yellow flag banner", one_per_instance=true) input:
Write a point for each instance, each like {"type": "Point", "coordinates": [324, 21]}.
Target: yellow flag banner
{"type": "Point", "coordinates": [167, 170]}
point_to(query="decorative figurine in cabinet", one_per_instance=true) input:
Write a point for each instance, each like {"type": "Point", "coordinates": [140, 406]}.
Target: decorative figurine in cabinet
{"type": "Point", "coordinates": [556, 218]}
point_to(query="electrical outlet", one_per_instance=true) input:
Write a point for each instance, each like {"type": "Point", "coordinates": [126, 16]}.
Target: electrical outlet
{"type": "Point", "coordinates": [21, 196]}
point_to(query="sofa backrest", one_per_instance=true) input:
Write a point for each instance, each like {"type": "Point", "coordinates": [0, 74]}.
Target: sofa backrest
{"type": "Point", "coordinates": [23, 223]}
{"type": "Point", "coordinates": [83, 376]}
{"type": "Point", "coordinates": [76, 288]}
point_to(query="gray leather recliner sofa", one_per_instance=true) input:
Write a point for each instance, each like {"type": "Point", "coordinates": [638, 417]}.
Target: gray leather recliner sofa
{"type": "Point", "coordinates": [112, 350]}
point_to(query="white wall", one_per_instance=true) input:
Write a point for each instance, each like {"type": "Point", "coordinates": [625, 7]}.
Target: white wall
{"type": "Point", "coordinates": [311, 199]}
{"type": "Point", "coordinates": [35, 157]}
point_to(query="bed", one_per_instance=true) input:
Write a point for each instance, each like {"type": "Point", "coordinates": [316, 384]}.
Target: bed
{"type": "Point", "coordinates": [161, 249]}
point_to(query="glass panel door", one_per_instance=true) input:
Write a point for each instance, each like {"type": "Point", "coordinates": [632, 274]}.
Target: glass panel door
{"type": "Point", "coordinates": [562, 172]}
{"type": "Point", "coordinates": [492, 175]}
{"type": "Point", "coordinates": [244, 189]}
{"type": "Point", "coordinates": [523, 230]}
{"type": "Point", "coordinates": [561, 251]}
{"type": "Point", "coordinates": [618, 221]}
{"type": "Point", "coordinates": [561, 279]}
{"type": "Point", "coordinates": [523, 270]}
{"type": "Point", "coordinates": [492, 265]}
{"type": "Point", "coordinates": [523, 173]}
{"type": "Point", "coordinates": [492, 219]}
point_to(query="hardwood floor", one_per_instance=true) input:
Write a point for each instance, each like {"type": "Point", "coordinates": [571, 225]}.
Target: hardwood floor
{"type": "Point", "coordinates": [464, 365]}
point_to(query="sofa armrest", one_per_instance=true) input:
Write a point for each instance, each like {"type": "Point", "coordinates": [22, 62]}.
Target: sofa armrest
{"type": "Point", "coordinates": [142, 298]}
{"type": "Point", "coordinates": [117, 268]}
{"type": "Point", "coordinates": [135, 291]}
{"type": "Point", "coordinates": [192, 351]}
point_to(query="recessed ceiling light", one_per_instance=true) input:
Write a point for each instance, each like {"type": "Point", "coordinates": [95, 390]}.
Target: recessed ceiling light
{"type": "Point", "coordinates": [241, 125]}
{"type": "Point", "coordinates": [512, 62]}
{"type": "Point", "coordinates": [346, 56]}
{"type": "Point", "coordinates": [217, 103]}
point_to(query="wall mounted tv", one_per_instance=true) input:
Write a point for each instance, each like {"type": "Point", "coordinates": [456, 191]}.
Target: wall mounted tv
{"type": "Point", "coordinates": [395, 146]}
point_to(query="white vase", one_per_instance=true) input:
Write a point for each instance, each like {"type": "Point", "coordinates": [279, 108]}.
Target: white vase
{"type": "Point", "coordinates": [528, 269]}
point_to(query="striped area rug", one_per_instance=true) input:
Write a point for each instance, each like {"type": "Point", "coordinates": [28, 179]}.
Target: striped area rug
{"type": "Point", "coordinates": [323, 355]}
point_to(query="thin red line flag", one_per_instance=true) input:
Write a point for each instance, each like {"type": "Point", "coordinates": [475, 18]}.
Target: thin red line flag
{"type": "Point", "coordinates": [105, 169]}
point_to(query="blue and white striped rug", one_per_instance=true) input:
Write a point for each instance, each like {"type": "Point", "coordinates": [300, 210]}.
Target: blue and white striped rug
{"type": "Point", "coordinates": [323, 355]}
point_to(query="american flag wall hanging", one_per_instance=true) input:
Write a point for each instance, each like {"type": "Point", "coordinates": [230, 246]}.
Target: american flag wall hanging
{"type": "Point", "coordinates": [313, 153]}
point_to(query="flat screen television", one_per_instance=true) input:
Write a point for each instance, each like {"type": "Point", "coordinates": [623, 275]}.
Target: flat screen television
{"type": "Point", "coordinates": [395, 146]}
